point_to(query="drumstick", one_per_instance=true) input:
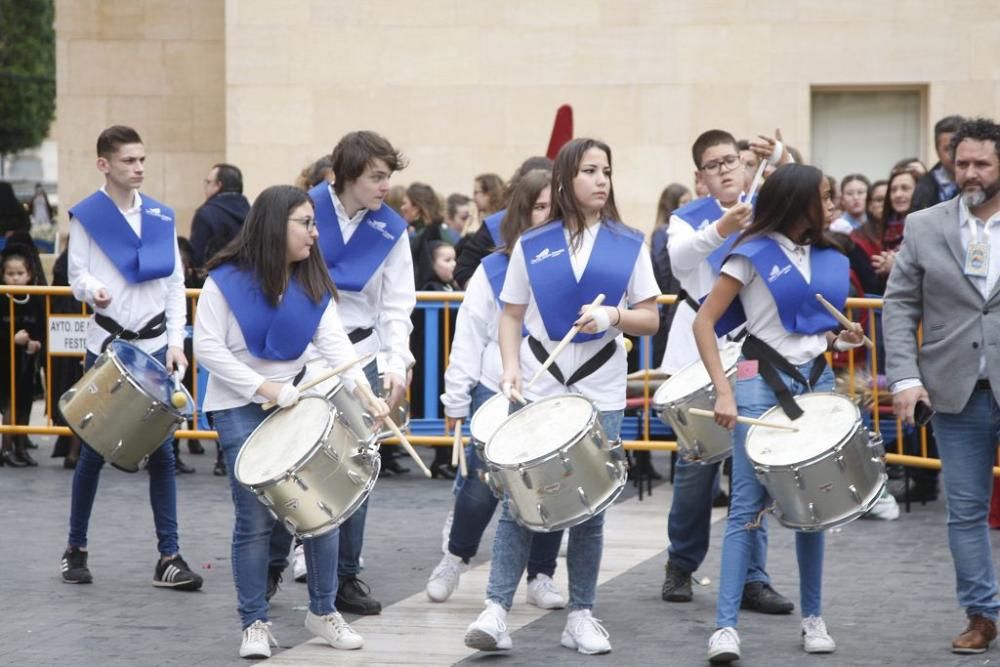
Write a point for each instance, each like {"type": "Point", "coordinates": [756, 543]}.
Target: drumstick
{"type": "Point", "coordinates": [463, 467]}
{"type": "Point", "coordinates": [457, 445]}
{"type": "Point", "coordinates": [756, 182]}
{"type": "Point", "coordinates": [323, 377]}
{"type": "Point", "coordinates": [178, 399]}
{"type": "Point", "coordinates": [565, 341]}
{"type": "Point", "coordinates": [840, 317]}
{"type": "Point", "coordinates": [396, 432]}
{"type": "Point", "coordinates": [698, 412]}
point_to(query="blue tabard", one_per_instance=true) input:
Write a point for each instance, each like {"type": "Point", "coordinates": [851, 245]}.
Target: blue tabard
{"type": "Point", "coordinates": [495, 265]}
{"type": "Point", "coordinates": [799, 309]}
{"type": "Point", "coordinates": [492, 223]}
{"type": "Point", "coordinates": [558, 294]}
{"type": "Point", "coordinates": [138, 260]}
{"type": "Point", "coordinates": [700, 213]}
{"type": "Point", "coordinates": [278, 333]}
{"type": "Point", "coordinates": [353, 264]}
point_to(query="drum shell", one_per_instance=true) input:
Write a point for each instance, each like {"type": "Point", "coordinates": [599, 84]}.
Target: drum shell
{"type": "Point", "coordinates": [699, 439]}
{"type": "Point", "coordinates": [567, 485]}
{"type": "Point", "coordinates": [830, 489]}
{"type": "Point", "coordinates": [353, 413]}
{"type": "Point", "coordinates": [115, 416]}
{"type": "Point", "coordinates": [325, 486]}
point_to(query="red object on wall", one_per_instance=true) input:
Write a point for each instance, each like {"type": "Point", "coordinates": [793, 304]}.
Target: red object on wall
{"type": "Point", "coordinates": [562, 130]}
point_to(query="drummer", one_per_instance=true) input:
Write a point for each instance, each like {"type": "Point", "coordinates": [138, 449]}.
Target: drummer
{"type": "Point", "coordinates": [555, 272]}
{"type": "Point", "coordinates": [124, 262]}
{"type": "Point", "coordinates": [699, 237]}
{"type": "Point", "coordinates": [472, 378]}
{"type": "Point", "coordinates": [256, 317]}
{"type": "Point", "coordinates": [769, 280]}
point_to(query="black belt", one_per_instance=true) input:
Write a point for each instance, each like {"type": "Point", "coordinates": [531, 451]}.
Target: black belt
{"type": "Point", "coordinates": [983, 385]}
{"type": "Point", "coordinates": [583, 371]}
{"type": "Point", "coordinates": [358, 335]}
{"type": "Point", "coordinates": [688, 299]}
{"type": "Point", "coordinates": [770, 362]}
{"type": "Point", "coordinates": [152, 329]}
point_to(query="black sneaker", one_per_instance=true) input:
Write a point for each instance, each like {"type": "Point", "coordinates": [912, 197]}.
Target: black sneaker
{"type": "Point", "coordinates": [74, 567]}
{"type": "Point", "coordinates": [353, 597]}
{"type": "Point", "coordinates": [677, 585]}
{"type": "Point", "coordinates": [175, 573]}
{"type": "Point", "coordinates": [758, 596]}
{"type": "Point", "coordinates": [273, 581]}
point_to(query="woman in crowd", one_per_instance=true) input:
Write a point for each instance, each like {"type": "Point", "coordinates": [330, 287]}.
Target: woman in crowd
{"type": "Point", "coordinates": [899, 201]}
{"type": "Point", "coordinates": [487, 193]}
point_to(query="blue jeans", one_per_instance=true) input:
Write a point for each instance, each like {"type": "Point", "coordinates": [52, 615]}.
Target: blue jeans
{"type": "Point", "coordinates": [583, 556]}
{"type": "Point", "coordinates": [352, 531]}
{"type": "Point", "coordinates": [749, 499]}
{"type": "Point", "coordinates": [474, 507]}
{"type": "Point", "coordinates": [967, 444]}
{"type": "Point", "coordinates": [162, 488]}
{"type": "Point", "coordinates": [252, 530]}
{"type": "Point", "coordinates": [690, 521]}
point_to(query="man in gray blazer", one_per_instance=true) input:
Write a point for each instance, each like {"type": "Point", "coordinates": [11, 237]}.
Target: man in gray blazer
{"type": "Point", "coordinates": [945, 276]}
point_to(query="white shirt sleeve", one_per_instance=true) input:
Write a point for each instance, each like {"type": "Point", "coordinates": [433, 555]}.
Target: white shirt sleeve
{"type": "Point", "coordinates": [82, 282]}
{"type": "Point", "coordinates": [689, 248]}
{"type": "Point", "coordinates": [739, 267]}
{"type": "Point", "coordinates": [642, 285]}
{"type": "Point", "coordinates": [210, 347]}
{"type": "Point", "coordinates": [398, 299]}
{"type": "Point", "coordinates": [516, 288]}
{"type": "Point", "coordinates": [176, 308]}
{"type": "Point", "coordinates": [465, 363]}
{"type": "Point", "coordinates": [336, 348]}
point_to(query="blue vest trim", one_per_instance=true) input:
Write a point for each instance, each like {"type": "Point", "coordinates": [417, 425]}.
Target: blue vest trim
{"type": "Point", "coordinates": [495, 265]}
{"type": "Point", "coordinates": [492, 223]}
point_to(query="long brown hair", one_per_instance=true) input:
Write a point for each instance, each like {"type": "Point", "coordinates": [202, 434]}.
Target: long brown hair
{"type": "Point", "coordinates": [789, 196]}
{"type": "Point", "coordinates": [517, 219]}
{"type": "Point", "coordinates": [565, 207]}
{"type": "Point", "coordinates": [262, 247]}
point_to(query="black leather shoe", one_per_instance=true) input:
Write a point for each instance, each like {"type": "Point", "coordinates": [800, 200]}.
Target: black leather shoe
{"type": "Point", "coordinates": [393, 465]}
{"type": "Point", "coordinates": [273, 581]}
{"type": "Point", "coordinates": [21, 452]}
{"type": "Point", "coordinates": [442, 470]}
{"type": "Point", "coordinates": [195, 447]}
{"type": "Point", "coordinates": [677, 585]}
{"type": "Point", "coordinates": [354, 597]}
{"type": "Point", "coordinates": [183, 468]}
{"type": "Point", "coordinates": [9, 459]}
{"type": "Point", "coordinates": [761, 597]}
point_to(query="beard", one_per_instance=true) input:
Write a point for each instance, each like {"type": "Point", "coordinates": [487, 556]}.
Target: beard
{"type": "Point", "coordinates": [980, 194]}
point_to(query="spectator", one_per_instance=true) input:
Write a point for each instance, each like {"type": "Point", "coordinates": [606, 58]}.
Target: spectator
{"type": "Point", "coordinates": [458, 214]}
{"type": "Point", "coordinates": [319, 171]}
{"type": "Point", "coordinates": [938, 184]}
{"type": "Point", "coordinates": [912, 164]}
{"type": "Point", "coordinates": [395, 197]}
{"type": "Point", "coordinates": [443, 267]}
{"type": "Point", "coordinates": [488, 193]}
{"type": "Point", "coordinates": [41, 209]}
{"type": "Point", "coordinates": [853, 200]}
{"type": "Point", "coordinates": [876, 200]}
{"type": "Point", "coordinates": [673, 197]}
{"type": "Point", "coordinates": [422, 211]}
{"type": "Point", "coordinates": [218, 220]}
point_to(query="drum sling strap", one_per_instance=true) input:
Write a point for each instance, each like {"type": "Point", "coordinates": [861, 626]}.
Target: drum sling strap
{"type": "Point", "coordinates": [770, 362]}
{"type": "Point", "coordinates": [583, 371]}
{"type": "Point", "coordinates": [684, 296]}
{"type": "Point", "coordinates": [151, 329]}
{"type": "Point", "coordinates": [358, 335]}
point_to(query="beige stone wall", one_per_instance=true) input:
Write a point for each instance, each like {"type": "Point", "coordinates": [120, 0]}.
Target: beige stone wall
{"type": "Point", "coordinates": [157, 65]}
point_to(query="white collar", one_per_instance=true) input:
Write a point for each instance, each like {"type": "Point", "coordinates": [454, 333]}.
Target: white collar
{"type": "Point", "coordinates": [341, 212]}
{"type": "Point", "coordinates": [136, 201]}
{"type": "Point", "coordinates": [788, 244]}
{"type": "Point", "coordinates": [964, 214]}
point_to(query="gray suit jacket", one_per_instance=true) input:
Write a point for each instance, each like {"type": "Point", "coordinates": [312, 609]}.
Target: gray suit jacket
{"type": "Point", "coordinates": [928, 284]}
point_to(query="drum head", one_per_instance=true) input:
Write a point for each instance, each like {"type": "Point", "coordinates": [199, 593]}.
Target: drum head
{"type": "Point", "coordinates": [693, 377]}
{"type": "Point", "coordinates": [149, 374]}
{"type": "Point", "coordinates": [827, 420]}
{"type": "Point", "coordinates": [488, 417]}
{"type": "Point", "coordinates": [282, 440]}
{"type": "Point", "coordinates": [539, 429]}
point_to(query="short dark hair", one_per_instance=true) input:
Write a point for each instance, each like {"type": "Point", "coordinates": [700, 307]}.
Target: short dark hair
{"type": "Point", "coordinates": [977, 129]}
{"type": "Point", "coordinates": [113, 138]}
{"type": "Point", "coordinates": [356, 150]}
{"type": "Point", "coordinates": [946, 125]}
{"type": "Point", "coordinates": [708, 139]}
{"type": "Point", "coordinates": [229, 176]}
{"type": "Point", "coordinates": [854, 177]}
{"type": "Point", "coordinates": [454, 201]}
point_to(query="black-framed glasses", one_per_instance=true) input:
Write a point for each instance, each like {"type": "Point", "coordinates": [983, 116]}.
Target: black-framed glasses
{"type": "Point", "coordinates": [715, 166]}
{"type": "Point", "coordinates": [310, 223]}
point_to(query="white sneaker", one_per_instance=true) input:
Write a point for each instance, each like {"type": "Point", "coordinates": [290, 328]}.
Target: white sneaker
{"type": "Point", "coordinates": [815, 638]}
{"type": "Point", "coordinates": [885, 508]}
{"type": "Point", "coordinates": [257, 641]}
{"type": "Point", "coordinates": [489, 631]}
{"type": "Point", "coordinates": [446, 531]}
{"type": "Point", "coordinates": [444, 579]}
{"type": "Point", "coordinates": [724, 646]}
{"type": "Point", "coordinates": [333, 629]}
{"type": "Point", "coordinates": [542, 593]}
{"type": "Point", "coordinates": [299, 564]}
{"type": "Point", "coordinates": [585, 633]}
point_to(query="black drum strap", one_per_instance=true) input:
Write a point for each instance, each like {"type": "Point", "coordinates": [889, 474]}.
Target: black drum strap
{"type": "Point", "coordinates": [770, 362]}
{"type": "Point", "coordinates": [588, 367]}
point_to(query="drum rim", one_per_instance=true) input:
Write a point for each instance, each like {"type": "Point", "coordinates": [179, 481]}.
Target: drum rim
{"type": "Point", "coordinates": [858, 426]}
{"type": "Point", "coordinates": [120, 365]}
{"type": "Point", "coordinates": [274, 481]}
{"type": "Point", "coordinates": [660, 404]}
{"type": "Point", "coordinates": [594, 417]}
{"type": "Point", "coordinates": [499, 398]}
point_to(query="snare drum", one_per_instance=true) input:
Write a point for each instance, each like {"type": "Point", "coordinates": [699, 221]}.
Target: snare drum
{"type": "Point", "coordinates": [555, 462]}
{"type": "Point", "coordinates": [307, 467]}
{"type": "Point", "coordinates": [122, 407]}
{"type": "Point", "coordinates": [828, 473]}
{"type": "Point", "coordinates": [699, 439]}
{"type": "Point", "coordinates": [484, 424]}
{"type": "Point", "coordinates": [353, 412]}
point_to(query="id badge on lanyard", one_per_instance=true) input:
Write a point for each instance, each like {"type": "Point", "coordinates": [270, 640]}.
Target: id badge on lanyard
{"type": "Point", "coordinates": [977, 253]}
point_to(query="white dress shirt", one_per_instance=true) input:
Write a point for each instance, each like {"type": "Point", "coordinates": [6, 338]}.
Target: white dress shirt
{"type": "Point", "coordinates": [236, 374]}
{"type": "Point", "coordinates": [475, 352]}
{"type": "Point", "coordinates": [606, 385]}
{"type": "Point", "coordinates": [132, 304]}
{"type": "Point", "coordinates": [384, 303]}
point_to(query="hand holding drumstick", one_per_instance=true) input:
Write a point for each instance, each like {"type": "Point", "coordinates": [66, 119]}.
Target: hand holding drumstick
{"type": "Point", "coordinates": [586, 318]}
{"type": "Point", "coordinates": [853, 328]}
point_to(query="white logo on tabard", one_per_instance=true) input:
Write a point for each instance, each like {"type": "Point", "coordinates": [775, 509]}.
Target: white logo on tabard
{"type": "Point", "coordinates": [777, 273]}
{"type": "Point", "coordinates": [156, 212]}
{"type": "Point", "coordinates": [380, 226]}
{"type": "Point", "coordinates": [546, 254]}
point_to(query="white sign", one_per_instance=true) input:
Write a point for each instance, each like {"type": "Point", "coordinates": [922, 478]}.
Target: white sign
{"type": "Point", "coordinates": [68, 334]}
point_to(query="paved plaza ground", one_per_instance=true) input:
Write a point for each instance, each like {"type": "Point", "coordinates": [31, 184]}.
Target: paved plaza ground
{"type": "Point", "coordinates": [889, 587]}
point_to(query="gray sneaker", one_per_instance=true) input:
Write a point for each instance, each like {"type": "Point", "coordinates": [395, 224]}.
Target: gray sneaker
{"type": "Point", "coordinates": [677, 585]}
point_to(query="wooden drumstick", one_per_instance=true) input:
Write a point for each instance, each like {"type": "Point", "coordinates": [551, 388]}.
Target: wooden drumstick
{"type": "Point", "coordinates": [565, 341]}
{"type": "Point", "coordinates": [840, 317]}
{"type": "Point", "coordinates": [457, 445]}
{"type": "Point", "coordinates": [757, 178]}
{"type": "Point", "coordinates": [463, 467]}
{"type": "Point", "coordinates": [323, 377]}
{"type": "Point", "coordinates": [698, 412]}
{"type": "Point", "coordinates": [396, 432]}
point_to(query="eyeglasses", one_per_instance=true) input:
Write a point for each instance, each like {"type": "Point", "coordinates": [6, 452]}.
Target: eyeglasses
{"type": "Point", "coordinates": [715, 166]}
{"type": "Point", "coordinates": [310, 223]}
